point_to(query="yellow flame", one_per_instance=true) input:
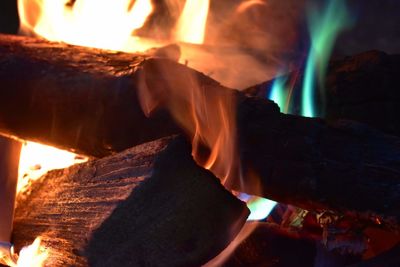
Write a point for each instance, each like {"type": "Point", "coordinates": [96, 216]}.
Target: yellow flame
{"type": "Point", "coordinates": [208, 116]}
{"type": "Point", "coordinates": [94, 23]}
{"type": "Point", "coordinates": [37, 159]}
{"type": "Point", "coordinates": [107, 24]}
{"type": "Point", "coordinates": [191, 26]}
{"type": "Point", "coordinates": [32, 256]}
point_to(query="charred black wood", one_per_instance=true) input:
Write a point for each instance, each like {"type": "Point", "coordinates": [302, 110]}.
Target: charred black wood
{"type": "Point", "coordinates": [390, 258]}
{"type": "Point", "coordinates": [270, 245]}
{"type": "Point", "coordinates": [87, 100]}
{"type": "Point", "coordinates": [78, 98]}
{"type": "Point", "coordinates": [362, 87]}
{"type": "Point", "coordinates": [147, 206]}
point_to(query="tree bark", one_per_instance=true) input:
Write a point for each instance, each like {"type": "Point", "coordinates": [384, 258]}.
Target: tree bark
{"type": "Point", "coordinates": [86, 100]}
{"type": "Point", "coordinates": [147, 206]}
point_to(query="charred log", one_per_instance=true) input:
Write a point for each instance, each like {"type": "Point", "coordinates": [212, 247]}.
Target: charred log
{"type": "Point", "coordinates": [86, 100]}
{"type": "Point", "coordinates": [78, 98]}
{"type": "Point", "coordinates": [362, 87]}
{"type": "Point", "coordinates": [147, 206]}
{"type": "Point", "coordinates": [270, 245]}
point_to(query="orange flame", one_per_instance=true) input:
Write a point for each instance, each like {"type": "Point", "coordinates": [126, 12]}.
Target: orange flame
{"type": "Point", "coordinates": [106, 24]}
{"type": "Point", "coordinates": [37, 159]}
{"type": "Point", "coordinates": [191, 26]}
{"type": "Point", "coordinates": [33, 255]}
{"type": "Point", "coordinates": [209, 116]}
{"type": "Point", "coordinates": [94, 23]}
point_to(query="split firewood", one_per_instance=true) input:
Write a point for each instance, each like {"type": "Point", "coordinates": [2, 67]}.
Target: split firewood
{"type": "Point", "coordinates": [87, 100]}
{"type": "Point", "coordinates": [147, 206]}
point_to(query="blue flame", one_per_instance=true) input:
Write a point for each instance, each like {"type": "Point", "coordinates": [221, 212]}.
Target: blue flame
{"type": "Point", "coordinates": [279, 93]}
{"type": "Point", "coordinates": [259, 207]}
{"type": "Point", "coordinates": [324, 26]}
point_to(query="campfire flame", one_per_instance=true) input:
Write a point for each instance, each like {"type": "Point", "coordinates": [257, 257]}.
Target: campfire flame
{"type": "Point", "coordinates": [324, 26]}
{"type": "Point", "coordinates": [94, 23]}
{"type": "Point", "coordinates": [34, 255]}
{"type": "Point", "coordinates": [37, 159]}
{"type": "Point", "coordinates": [111, 24]}
{"type": "Point", "coordinates": [191, 26]}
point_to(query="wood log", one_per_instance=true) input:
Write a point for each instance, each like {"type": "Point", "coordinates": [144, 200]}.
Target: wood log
{"type": "Point", "coordinates": [308, 162]}
{"type": "Point", "coordinates": [270, 245]}
{"type": "Point", "coordinates": [363, 87]}
{"type": "Point", "coordinates": [78, 98]}
{"type": "Point", "coordinates": [86, 100]}
{"type": "Point", "coordinates": [147, 206]}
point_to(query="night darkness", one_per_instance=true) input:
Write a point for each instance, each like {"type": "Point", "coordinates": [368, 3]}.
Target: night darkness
{"type": "Point", "coordinates": [8, 16]}
{"type": "Point", "coordinates": [336, 164]}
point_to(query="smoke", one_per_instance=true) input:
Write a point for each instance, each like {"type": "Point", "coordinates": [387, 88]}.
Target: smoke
{"type": "Point", "coordinates": [247, 42]}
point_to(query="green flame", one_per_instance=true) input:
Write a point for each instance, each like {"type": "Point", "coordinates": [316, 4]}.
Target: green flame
{"type": "Point", "coordinates": [279, 92]}
{"type": "Point", "coordinates": [260, 208]}
{"type": "Point", "coordinates": [324, 26]}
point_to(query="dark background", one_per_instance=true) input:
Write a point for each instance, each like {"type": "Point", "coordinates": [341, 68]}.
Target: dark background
{"type": "Point", "coordinates": [377, 27]}
{"type": "Point", "coordinates": [8, 16]}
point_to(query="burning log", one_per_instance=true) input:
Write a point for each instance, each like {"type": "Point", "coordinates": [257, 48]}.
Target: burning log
{"type": "Point", "coordinates": [78, 98]}
{"type": "Point", "coordinates": [362, 87]}
{"type": "Point", "coordinates": [147, 206]}
{"type": "Point", "coordinates": [87, 100]}
{"type": "Point", "coordinates": [271, 245]}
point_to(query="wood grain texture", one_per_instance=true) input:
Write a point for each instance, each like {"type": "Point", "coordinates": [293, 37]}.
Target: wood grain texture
{"type": "Point", "coordinates": [148, 206]}
{"type": "Point", "coordinates": [341, 166]}
{"type": "Point", "coordinates": [310, 163]}
{"type": "Point", "coordinates": [79, 98]}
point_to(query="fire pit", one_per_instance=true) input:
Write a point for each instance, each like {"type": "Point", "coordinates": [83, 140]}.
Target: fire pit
{"type": "Point", "coordinates": [168, 165]}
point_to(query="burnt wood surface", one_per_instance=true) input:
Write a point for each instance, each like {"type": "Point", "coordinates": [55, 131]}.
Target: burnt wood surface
{"type": "Point", "coordinates": [362, 87]}
{"type": "Point", "coordinates": [273, 246]}
{"type": "Point", "coordinates": [87, 100]}
{"type": "Point", "coordinates": [78, 98]}
{"type": "Point", "coordinates": [147, 206]}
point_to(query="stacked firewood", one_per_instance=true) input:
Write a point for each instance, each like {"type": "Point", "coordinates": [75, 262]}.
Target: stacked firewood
{"type": "Point", "coordinates": [145, 201]}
